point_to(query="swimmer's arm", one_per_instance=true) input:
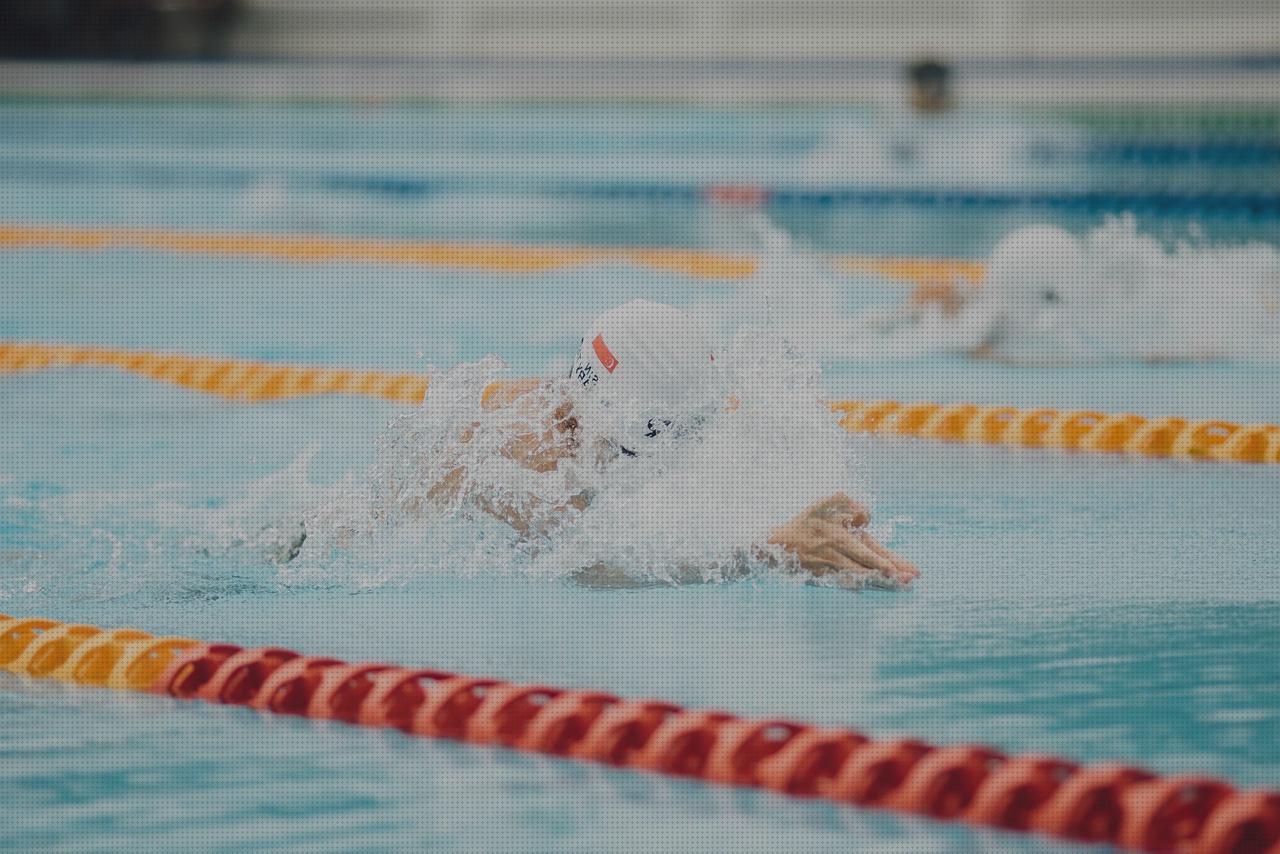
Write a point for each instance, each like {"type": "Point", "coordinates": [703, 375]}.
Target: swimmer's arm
{"type": "Point", "coordinates": [830, 538]}
{"type": "Point", "coordinates": [827, 540]}
{"type": "Point", "coordinates": [606, 576]}
{"type": "Point", "coordinates": [940, 292]}
{"type": "Point", "coordinates": [929, 296]}
{"type": "Point", "coordinates": [519, 515]}
{"type": "Point", "coordinates": [538, 451]}
{"type": "Point", "coordinates": [523, 517]}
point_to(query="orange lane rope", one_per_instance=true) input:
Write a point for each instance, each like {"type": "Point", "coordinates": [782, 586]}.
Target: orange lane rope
{"type": "Point", "coordinates": [1110, 804]}
{"type": "Point", "coordinates": [1072, 430]}
{"type": "Point", "coordinates": [969, 423]}
{"type": "Point", "coordinates": [502, 258]}
{"type": "Point", "coordinates": [233, 379]}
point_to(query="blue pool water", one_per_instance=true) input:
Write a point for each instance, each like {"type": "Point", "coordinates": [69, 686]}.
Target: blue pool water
{"type": "Point", "coordinates": [1093, 607]}
{"type": "Point", "coordinates": [852, 179]}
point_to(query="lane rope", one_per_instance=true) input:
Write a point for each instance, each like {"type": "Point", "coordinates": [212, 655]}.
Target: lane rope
{"type": "Point", "coordinates": [1088, 431]}
{"type": "Point", "coordinates": [1071, 430]}
{"type": "Point", "coordinates": [1112, 804]}
{"type": "Point", "coordinates": [232, 379]}
{"type": "Point", "coordinates": [500, 258]}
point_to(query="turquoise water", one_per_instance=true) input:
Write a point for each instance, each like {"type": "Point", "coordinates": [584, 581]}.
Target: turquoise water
{"type": "Point", "coordinates": [539, 174]}
{"type": "Point", "coordinates": [1092, 607]}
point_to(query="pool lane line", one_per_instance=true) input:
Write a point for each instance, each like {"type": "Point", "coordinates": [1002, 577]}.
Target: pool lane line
{"type": "Point", "coordinates": [488, 257]}
{"type": "Point", "coordinates": [1091, 431]}
{"type": "Point", "coordinates": [1105, 804]}
{"type": "Point", "coordinates": [238, 380]}
{"type": "Point", "coordinates": [1084, 430]}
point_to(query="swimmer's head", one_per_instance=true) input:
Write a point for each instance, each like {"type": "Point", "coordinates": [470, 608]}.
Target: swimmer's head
{"type": "Point", "coordinates": [644, 370]}
{"type": "Point", "coordinates": [930, 85]}
{"type": "Point", "coordinates": [1034, 280]}
{"type": "Point", "coordinates": [1037, 265]}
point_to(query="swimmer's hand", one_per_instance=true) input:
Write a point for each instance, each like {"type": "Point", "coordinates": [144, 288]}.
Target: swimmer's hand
{"type": "Point", "coordinates": [830, 538]}
{"type": "Point", "coordinates": [940, 293]}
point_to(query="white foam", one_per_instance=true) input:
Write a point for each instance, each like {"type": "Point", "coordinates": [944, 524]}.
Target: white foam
{"type": "Point", "coordinates": [794, 293]}
{"type": "Point", "coordinates": [709, 501]}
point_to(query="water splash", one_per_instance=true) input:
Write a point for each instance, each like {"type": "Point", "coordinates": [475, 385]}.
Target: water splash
{"type": "Point", "coordinates": [794, 294]}
{"type": "Point", "coordinates": [167, 541]}
{"type": "Point", "coordinates": [701, 507]}
{"type": "Point", "coordinates": [696, 508]}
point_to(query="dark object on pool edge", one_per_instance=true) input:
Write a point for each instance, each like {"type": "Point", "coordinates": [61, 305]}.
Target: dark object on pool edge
{"type": "Point", "coordinates": [117, 29]}
{"type": "Point", "coordinates": [1106, 804]}
{"type": "Point", "coordinates": [930, 85]}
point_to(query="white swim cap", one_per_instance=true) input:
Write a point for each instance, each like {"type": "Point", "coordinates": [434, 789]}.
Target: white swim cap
{"type": "Point", "coordinates": [1033, 283]}
{"type": "Point", "coordinates": [644, 369]}
{"type": "Point", "coordinates": [1034, 263]}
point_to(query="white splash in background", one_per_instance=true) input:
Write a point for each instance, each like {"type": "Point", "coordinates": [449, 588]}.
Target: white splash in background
{"type": "Point", "coordinates": [902, 147]}
{"type": "Point", "coordinates": [1052, 298]}
{"type": "Point", "coordinates": [794, 295]}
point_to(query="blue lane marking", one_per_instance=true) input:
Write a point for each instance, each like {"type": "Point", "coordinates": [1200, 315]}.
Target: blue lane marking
{"type": "Point", "coordinates": [1223, 154]}
{"type": "Point", "coordinates": [1260, 204]}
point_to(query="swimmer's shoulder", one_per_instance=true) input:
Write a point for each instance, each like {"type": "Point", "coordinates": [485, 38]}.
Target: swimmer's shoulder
{"type": "Point", "coordinates": [500, 394]}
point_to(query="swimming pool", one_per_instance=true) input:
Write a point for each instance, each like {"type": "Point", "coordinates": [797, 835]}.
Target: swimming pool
{"type": "Point", "coordinates": [1095, 607]}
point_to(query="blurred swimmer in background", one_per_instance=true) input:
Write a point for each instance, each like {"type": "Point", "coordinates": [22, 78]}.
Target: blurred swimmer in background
{"type": "Point", "coordinates": [930, 86]}
{"type": "Point", "coordinates": [645, 379]}
{"type": "Point", "coordinates": [1050, 297]}
{"type": "Point", "coordinates": [926, 134]}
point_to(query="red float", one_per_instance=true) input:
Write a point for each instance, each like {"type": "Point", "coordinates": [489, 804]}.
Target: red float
{"type": "Point", "coordinates": [1112, 804]}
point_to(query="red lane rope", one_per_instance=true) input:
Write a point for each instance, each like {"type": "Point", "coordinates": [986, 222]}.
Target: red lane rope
{"type": "Point", "coordinates": [1105, 804]}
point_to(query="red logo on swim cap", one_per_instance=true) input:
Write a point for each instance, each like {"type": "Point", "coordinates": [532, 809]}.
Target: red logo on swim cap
{"type": "Point", "coordinates": [604, 354]}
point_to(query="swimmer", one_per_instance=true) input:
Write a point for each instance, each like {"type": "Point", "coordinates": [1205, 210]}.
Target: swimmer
{"type": "Point", "coordinates": [643, 377]}
{"type": "Point", "coordinates": [930, 86]}
{"type": "Point", "coordinates": [1050, 298]}
{"type": "Point", "coordinates": [1032, 277]}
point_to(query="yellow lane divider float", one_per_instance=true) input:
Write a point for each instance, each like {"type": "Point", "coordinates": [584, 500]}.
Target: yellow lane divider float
{"type": "Point", "coordinates": [1074, 430]}
{"type": "Point", "coordinates": [233, 379]}
{"type": "Point", "coordinates": [502, 258]}
{"type": "Point", "coordinates": [120, 659]}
